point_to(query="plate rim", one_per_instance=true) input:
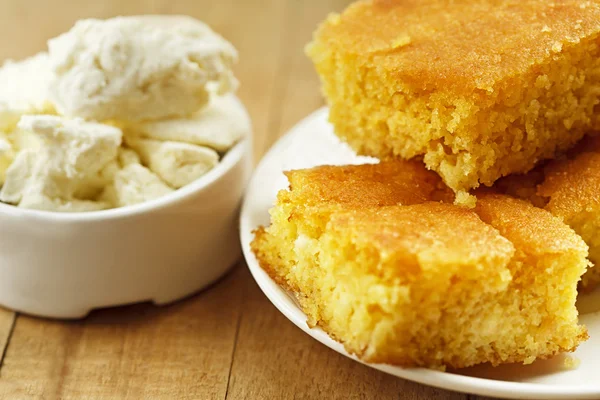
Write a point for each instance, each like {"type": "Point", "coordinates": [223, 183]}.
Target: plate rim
{"type": "Point", "coordinates": [440, 379]}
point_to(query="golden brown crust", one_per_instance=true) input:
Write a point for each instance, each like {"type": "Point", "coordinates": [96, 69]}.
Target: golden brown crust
{"type": "Point", "coordinates": [476, 89]}
{"type": "Point", "coordinates": [534, 230]}
{"type": "Point", "coordinates": [573, 184]}
{"type": "Point", "coordinates": [369, 185]}
{"type": "Point", "coordinates": [568, 187]}
{"type": "Point", "coordinates": [462, 46]}
{"type": "Point", "coordinates": [429, 235]}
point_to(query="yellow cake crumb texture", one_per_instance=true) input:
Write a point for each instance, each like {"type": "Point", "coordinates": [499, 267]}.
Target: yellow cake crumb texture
{"type": "Point", "coordinates": [568, 187]}
{"type": "Point", "coordinates": [477, 89]}
{"type": "Point", "coordinates": [403, 276]}
{"type": "Point", "coordinates": [571, 363]}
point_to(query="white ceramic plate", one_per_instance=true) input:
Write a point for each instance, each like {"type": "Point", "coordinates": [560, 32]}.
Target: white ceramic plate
{"type": "Point", "coordinates": [311, 143]}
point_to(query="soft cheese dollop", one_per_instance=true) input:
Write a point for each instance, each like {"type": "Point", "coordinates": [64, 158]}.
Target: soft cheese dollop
{"type": "Point", "coordinates": [138, 68]}
{"type": "Point", "coordinates": [178, 164]}
{"type": "Point", "coordinates": [24, 85]}
{"type": "Point", "coordinates": [135, 184]}
{"type": "Point", "coordinates": [117, 112]}
{"type": "Point", "coordinates": [8, 118]}
{"type": "Point", "coordinates": [219, 125]}
{"type": "Point", "coordinates": [7, 155]}
{"type": "Point", "coordinates": [132, 182]}
{"type": "Point", "coordinates": [70, 160]}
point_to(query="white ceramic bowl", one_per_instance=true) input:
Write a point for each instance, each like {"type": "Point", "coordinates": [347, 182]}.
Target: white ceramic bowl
{"type": "Point", "coordinates": [64, 265]}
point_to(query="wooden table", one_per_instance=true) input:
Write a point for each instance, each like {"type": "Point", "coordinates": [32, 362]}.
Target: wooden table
{"type": "Point", "coordinates": [228, 342]}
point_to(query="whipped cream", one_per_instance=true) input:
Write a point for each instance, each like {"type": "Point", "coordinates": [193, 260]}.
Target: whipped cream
{"type": "Point", "coordinates": [68, 163]}
{"type": "Point", "coordinates": [161, 84]}
{"type": "Point", "coordinates": [135, 184]}
{"type": "Point", "coordinates": [219, 125]}
{"type": "Point", "coordinates": [8, 118]}
{"type": "Point", "coordinates": [24, 85]}
{"type": "Point", "coordinates": [7, 155]}
{"type": "Point", "coordinates": [178, 164]}
{"type": "Point", "coordinates": [138, 68]}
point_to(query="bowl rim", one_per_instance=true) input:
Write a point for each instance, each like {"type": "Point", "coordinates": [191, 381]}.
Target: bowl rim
{"type": "Point", "coordinates": [232, 157]}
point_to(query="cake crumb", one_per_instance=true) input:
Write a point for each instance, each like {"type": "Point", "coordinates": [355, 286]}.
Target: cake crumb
{"type": "Point", "coordinates": [334, 19]}
{"type": "Point", "coordinates": [557, 47]}
{"type": "Point", "coordinates": [529, 360]}
{"type": "Point", "coordinates": [465, 199]}
{"type": "Point", "coordinates": [572, 362]}
{"type": "Point", "coordinates": [401, 41]}
{"type": "Point", "coordinates": [546, 28]}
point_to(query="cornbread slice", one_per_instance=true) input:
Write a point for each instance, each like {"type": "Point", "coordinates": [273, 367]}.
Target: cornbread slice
{"type": "Point", "coordinates": [570, 189]}
{"type": "Point", "coordinates": [399, 277]}
{"type": "Point", "coordinates": [478, 89]}
{"type": "Point", "coordinates": [323, 190]}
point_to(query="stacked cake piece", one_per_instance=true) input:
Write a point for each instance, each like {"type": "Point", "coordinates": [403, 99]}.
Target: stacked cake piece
{"type": "Point", "coordinates": [472, 251]}
{"type": "Point", "coordinates": [477, 89]}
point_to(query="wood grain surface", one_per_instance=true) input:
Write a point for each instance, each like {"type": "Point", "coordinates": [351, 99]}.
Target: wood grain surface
{"type": "Point", "coordinates": [228, 342]}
